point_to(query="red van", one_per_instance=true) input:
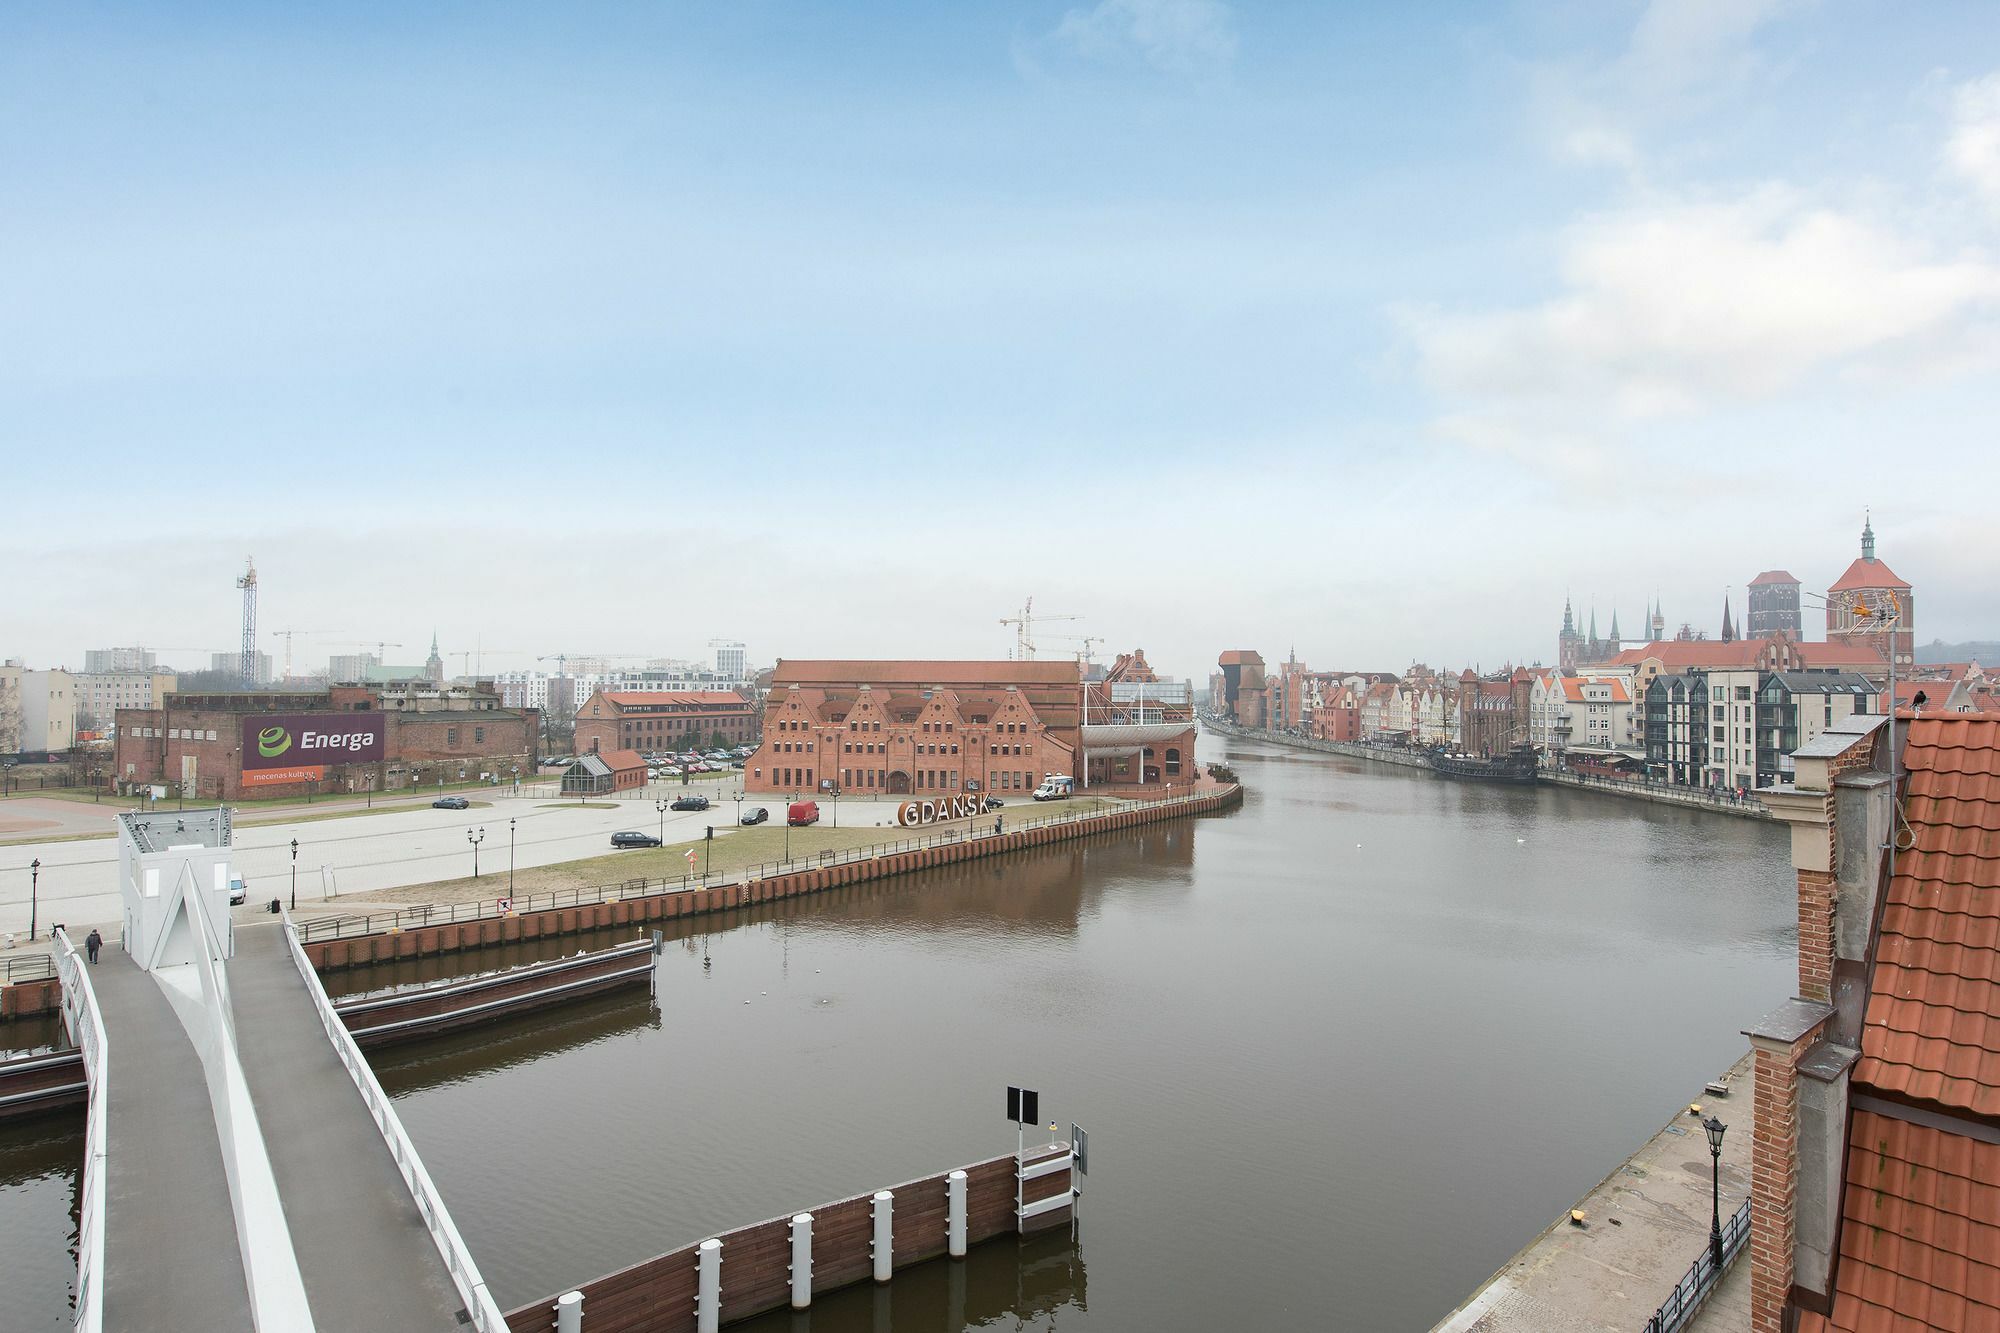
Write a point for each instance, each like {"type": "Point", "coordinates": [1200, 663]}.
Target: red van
{"type": "Point", "coordinates": [802, 813]}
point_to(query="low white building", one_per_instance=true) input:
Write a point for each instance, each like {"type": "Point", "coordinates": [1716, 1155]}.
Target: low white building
{"type": "Point", "coordinates": [48, 712]}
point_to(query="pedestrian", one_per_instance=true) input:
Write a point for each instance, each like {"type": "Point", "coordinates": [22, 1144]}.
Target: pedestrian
{"type": "Point", "coordinates": [996, 824]}
{"type": "Point", "coordinates": [92, 943]}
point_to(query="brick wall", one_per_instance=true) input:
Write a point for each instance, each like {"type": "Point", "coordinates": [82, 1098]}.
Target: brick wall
{"type": "Point", "coordinates": [1774, 1174]}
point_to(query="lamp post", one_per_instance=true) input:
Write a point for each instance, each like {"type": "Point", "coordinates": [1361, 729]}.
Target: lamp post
{"type": "Point", "coordinates": [295, 874]}
{"type": "Point", "coordinates": [739, 808]}
{"type": "Point", "coordinates": [510, 856]}
{"type": "Point", "coordinates": [663, 807]}
{"type": "Point", "coordinates": [475, 839]}
{"type": "Point", "coordinates": [1714, 1127]}
{"type": "Point", "coordinates": [788, 827]}
{"type": "Point", "coordinates": [34, 894]}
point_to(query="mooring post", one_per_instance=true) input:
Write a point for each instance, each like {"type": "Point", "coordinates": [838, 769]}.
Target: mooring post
{"type": "Point", "coordinates": [569, 1312]}
{"type": "Point", "coordinates": [708, 1287]}
{"type": "Point", "coordinates": [802, 1261]}
{"type": "Point", "coordinates": [954, 1189]}
{"type": "Point", "coordinates": [884, 1243]}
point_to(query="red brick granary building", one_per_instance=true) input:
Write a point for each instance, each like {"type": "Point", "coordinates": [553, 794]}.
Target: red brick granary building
{"type": "Point", "coordinates": [940, 727]}
{"type": "Point", "coordinates": [671, 721]}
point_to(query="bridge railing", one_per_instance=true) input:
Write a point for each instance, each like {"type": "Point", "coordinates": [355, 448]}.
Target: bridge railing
{"type": "Point", "coordinates": [31, 967]}
{"type": "Point", "coordinates": [86, 1029]}
{"type": "Point", "coordinates": [486, 1313]}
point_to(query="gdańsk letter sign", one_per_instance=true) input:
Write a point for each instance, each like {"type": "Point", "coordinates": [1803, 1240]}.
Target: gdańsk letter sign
{"type": "Point", "coordinates": [912, 813]}
{"type": "Point", "coordinates": [297, 747]}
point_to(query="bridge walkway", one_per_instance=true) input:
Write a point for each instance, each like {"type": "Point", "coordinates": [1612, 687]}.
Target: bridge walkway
{"type": "Point", "coordinates": [171, 1258]}
{"type": "Point", "coordinates": [366, 1257]}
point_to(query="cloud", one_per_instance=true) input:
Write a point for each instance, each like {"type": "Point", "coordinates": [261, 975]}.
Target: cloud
{"type": "Point", "coordinates": [1174, 36]}
{"type": "Point", "coordinates": [1973, 150]}
{"type": "Point", "coordinates": [1676, 306]}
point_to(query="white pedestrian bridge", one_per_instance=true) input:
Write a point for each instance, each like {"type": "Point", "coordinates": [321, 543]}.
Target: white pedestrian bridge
{"type": "Point", "coordinates": [243, 1170]}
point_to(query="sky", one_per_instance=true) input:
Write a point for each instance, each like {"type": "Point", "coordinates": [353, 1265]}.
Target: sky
{"type": "Point", "coordinates": [1370, 330]}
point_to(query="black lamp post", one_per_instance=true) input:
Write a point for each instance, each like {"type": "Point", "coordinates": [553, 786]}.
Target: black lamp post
{"type": "Point", "coordinates": [663, 807]}
{"type": "Point", "coordinates": [510, 856]}
{"type": "Point", "coordinates": [788, 827]}
{"type": "Point", "coordinates": [1714, 1127]}
{"type": "Point", "coordinates": [34, 894]}
{"type": "Point", "coordinates": [295, 874]}
{"type": "Point", "coordinates": [475, 839]}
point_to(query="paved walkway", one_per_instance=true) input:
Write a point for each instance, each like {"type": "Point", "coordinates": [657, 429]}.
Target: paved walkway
{"type": "Point", "coordinates": [368, 1261]}
{"type": "Point", "coordinates": [1646, 1224]}
{"type": "Point", "coordinates": [1728, 1309]}
{"type": "Point", "coordinates": [170, 1255]}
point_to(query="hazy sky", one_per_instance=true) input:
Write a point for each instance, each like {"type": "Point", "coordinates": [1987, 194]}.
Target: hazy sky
{"type": "Point", "coordinates": [841, 329]}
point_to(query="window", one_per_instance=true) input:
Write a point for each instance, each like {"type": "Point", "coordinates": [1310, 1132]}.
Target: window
{"type": "Point", "coordinates": [479, 735]}
{"type": "Point", "coordinates": [451, 736]}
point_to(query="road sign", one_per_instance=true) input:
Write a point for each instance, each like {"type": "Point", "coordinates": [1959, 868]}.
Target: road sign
{"type": "Point", "coordinates": [1024, 1106]}
{"type": "Point", "coordinates": [1080, 1146]}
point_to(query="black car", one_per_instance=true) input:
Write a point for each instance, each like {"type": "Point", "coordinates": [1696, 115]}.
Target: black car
{"type": "Point", "coordinates": [756, 815]}
{"type": "Point", "coordinates": [994, 803]}
{"type": "Point", "coordinates": [451, 803]}
{"type": "Point", "coordinates": [634, 840]}
{"type": "Point", "coordinates": [690, 803]}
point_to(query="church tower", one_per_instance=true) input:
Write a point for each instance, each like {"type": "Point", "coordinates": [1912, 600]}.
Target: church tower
{"type": "Point", "coordinates": [1728, 627]}
{"type": "Point", "coordinates": [434, 664]}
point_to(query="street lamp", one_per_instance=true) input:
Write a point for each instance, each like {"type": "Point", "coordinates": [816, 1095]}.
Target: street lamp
{"type": "Point", "coordinates": [788, 827]}
{"type": "Point", "coordinates": [510, 856]}
{"type": "Point", "coordinates": [295, 874]}
{"type": "Point", "coordinates": [1714, 1127]}
{"type": "Point", "coordinates": [739, 808]}
{"type": "Point", "coordinates": [475, 839]}
{"type": "Point", "coordinates": [663, 806]}
{"type": "Point", "coordinates": [34, 893]}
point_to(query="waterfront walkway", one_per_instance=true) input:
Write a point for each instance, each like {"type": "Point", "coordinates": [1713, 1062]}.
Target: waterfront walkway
{"type": "Point", "coordinates": [1645, 1225]}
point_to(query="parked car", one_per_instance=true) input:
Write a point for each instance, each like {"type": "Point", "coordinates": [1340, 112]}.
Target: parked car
{"type": "Point", "coordinates": [801, 813]}
{"type": "Point", "coordinates": [994, 803]}
{"type": "Point", "coordinates": [451, 803]}
{"type": "Point", "coordinates": [634, 840]}
{"type": "Point", "coordinates": [239, 890]}
{"type": "Point", "coordinates": [756, 814]}
{"type": "Point", "coordinates": [691, 803]}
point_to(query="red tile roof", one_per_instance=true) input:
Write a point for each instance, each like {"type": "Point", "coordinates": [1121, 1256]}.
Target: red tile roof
{"type": "Point", "coordinates": [1772, 576]}
{"type": "Point", "coordinates": [1867, 573]}
{"type": "Point", "coordinates": [1573, 688]}
{"type": "Point", "coordinates": [1933, 1022]}
{"type": "Point", "coordinates": [802, 671]}
{"type": "Point", "coordinates": [1240, 657]}
{"type": "Point", "coordinates": [621, 760]}
{"type": "Point", "coordinates": [628, 698]}
{"type": "Point", "coordinates": [1920, 1232]}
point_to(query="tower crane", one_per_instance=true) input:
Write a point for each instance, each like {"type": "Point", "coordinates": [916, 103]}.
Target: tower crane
{"type": "Point", "coordinates": [287, 634]}
{"type": "Point", "coordinates": [562, 659]}
{"type": "Point", "coordinates": [1024, 625]}
{"type": "Point", "coordinates": [1089, 644]}
{"type": "Point", "coordinates": [381, 647]}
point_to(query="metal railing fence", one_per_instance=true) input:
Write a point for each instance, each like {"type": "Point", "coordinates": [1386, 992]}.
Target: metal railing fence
{"type": "Point", "coordinates": [485, 1311]}
{"type": "Point", "coordinates": [29, 967]}
{"type": "Point", "coordinates": [1693, 1289]}
{"type": "Point", "coordinates": [410, 918]}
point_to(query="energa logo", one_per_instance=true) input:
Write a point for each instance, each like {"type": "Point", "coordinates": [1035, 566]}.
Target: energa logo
{"type": "Point", "coordinates": [273, 741]}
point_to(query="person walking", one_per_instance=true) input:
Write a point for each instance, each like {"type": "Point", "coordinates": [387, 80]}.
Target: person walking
{"type": "Point", "coordinates": [996, 824]}
{"type": "Point", "coordinates": [92, 943]}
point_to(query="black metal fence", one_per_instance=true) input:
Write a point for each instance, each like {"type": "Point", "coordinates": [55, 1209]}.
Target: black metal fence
{"type": "Point", "coordinates": [29, 967]}
{"type": "Point", "coordinates": [1692, 1290]}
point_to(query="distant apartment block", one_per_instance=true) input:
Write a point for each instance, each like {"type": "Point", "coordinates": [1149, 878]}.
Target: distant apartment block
{"type": "Point", "coordinates": [100, 694]}
{"type": "Point", "coordinates": [120, 659]}
{"type": "Point", "coordinates": [47, 711]}
{"type": "Point", "coordinates": [233, 663]}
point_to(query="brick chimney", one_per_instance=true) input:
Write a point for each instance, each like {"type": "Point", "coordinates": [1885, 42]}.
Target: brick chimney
{"type": "Point", "coordinates": [1838, 811]}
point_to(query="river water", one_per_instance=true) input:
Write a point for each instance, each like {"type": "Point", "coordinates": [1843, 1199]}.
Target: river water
{"type": "Point", "coordinates": [1340, 1052]}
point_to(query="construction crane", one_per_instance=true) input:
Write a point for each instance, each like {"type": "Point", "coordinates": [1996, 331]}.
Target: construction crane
{"type": "Point", "coordinates": [562, 659]}
{"type": "Point", "coordinates": [1024, 625]}
{"type": "Point", "coordinates": [381, 647]}
{"type": "Point", "coordinates": [287, 634]}
{"type": "Point", "coordinates": [468, 659]}
{"type": "Point", "coordinates": [1089, 642]}
{"type": "Point", "coordinates": [248, 583]}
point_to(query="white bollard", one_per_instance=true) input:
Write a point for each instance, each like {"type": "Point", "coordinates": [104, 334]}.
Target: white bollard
{"type": "Point", "coordinates": [954, 1190]}
{"type": "Point", "coordinates": [569, 1312]}
{"type": "Point", "coordinates": [884, 1246]}
{"type": "Point", "coordinates": [802, 1261]}
{"type": "Point", "coordinates": [708, 1287]}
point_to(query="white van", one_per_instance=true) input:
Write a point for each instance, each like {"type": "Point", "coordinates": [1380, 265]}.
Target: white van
{"type": "Point", "coordinates": [1054, 787]}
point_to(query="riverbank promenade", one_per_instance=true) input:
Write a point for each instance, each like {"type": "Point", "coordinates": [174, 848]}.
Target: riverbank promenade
{"type": "Point", "coordinates": [1643, 1227]}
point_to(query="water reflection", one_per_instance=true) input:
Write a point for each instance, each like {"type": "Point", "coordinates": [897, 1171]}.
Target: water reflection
{"type": "Point", "coordinates": [1033, 1283]}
